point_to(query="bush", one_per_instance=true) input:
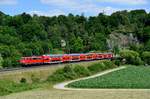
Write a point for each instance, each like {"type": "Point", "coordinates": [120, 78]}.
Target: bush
{"type": "Point", "coordinates": [56, 78]}
{"type": "Point", "coordinates": [97, 67]}
{"type": "Point", "coordinates": [7, 87]}
{"type": "Point", "coordinates": [63, 74]}
{"type": "Point", "coordinates": [7, 62]}
{"type": "Point", "coordinates": [70, 72]}
{"type": "Point", "coordinates": [132, 57]}
{"type": "Point", "coordinates": [109, 64]}
{"type": "Point", "coordinates": [117, 62]}
{"type": "Point", "coordinates": [23, 80]}
{"type": "Point", "coordinates": [138, 61]}
{"type": "Point", "coordinates": [146, 57]}
{"type": "Point", "coordinates": [81, 71]}
{"type": "Point", "coordinates": [11, 62]}
{"type": "Point", "coordinates": [101, 66]}
{"type": "Point", "coordinates": [4, 91]}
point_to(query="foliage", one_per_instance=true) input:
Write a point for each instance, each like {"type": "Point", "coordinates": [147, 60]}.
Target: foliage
{"type": "Point", "coordinates": [65, 73]}
{"type": "Point", "coordinates": [146, 57]}
{"type": "Point", "coordinates": [101, 66]}
{"type": "Point", "coordinates": [97, 67]}
{"type": "Point", "coordinates": [131, 77]}
{"type": "Point", "coordinates": [7, 87]}
{"type": "Point", "coordinates": [1, 61]}
{"type": "Point", "coordinates": [117, 62]}
{"type": "Point", "coordinates": [147, 46]}
{"type": "Point", "coordinates": [132, 57]}
{"type": "Point", "coordinates": [23, 80]}
{"type": "Point", "coordinates": [81, 71]}
{"type": "Point", "coordinates": [69, 72]}
{"type": "Point", "coordinates": [116, 50]}
{"type": "Point", "coordinates": [26, 35]}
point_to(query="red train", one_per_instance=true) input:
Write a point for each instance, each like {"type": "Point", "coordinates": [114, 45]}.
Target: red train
{"type": "Point", "coordinates": [61, 58]}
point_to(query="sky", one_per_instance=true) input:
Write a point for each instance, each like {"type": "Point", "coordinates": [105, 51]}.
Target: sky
{"type": "Point", "coordinates": [64, 7]}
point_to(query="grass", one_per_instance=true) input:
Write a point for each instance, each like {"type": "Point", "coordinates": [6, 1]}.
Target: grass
{"type": "Point", "coordinates": [42, 73]}
{"type": "Point", "coordinates": [7, 87]}
{"type": "Point", "coordinates": [17, 81]}
{"type": "Point", "coordinates": [82, 94]}
{"type": "Point", "coordinates": [131, 77]}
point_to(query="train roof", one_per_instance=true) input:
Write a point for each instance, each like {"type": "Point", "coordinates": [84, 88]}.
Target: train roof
{"type": "Point", "coordinates": [58, 55]}
{"type": "Point", "coordinates": [53, 55]}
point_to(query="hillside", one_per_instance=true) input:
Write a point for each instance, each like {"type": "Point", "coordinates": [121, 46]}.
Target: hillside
{"type": "Point", "coordinates": [26, 35]}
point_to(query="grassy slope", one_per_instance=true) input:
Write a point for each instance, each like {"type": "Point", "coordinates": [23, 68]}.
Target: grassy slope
{"type": "Point", "coordinates": [35, 78]}
{"type": "Point", "coordinates": [42, 73]}
{"type": "Point", "coordinates": [131, 77]}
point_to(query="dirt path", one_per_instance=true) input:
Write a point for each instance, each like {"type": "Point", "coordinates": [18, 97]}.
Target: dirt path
{"type": "Point", "coordinates": [62, 85]}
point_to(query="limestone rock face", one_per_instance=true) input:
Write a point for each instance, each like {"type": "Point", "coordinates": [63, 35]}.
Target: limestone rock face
{"type": "Point", "coordinates": [121, 40]}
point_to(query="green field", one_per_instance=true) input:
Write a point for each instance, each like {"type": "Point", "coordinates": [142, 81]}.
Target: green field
{"type": "Point", "coordinates": [131, 77]}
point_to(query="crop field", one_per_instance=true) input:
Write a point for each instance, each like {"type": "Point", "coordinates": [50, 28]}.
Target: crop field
{"type": "Point", "coordinates": [131, 77]}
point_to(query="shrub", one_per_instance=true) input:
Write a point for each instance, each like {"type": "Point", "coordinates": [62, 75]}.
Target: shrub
{"type": "Point", "coordinates": [138, 61]}
{"type": "Point", "coordinates": [109, 64]}
{"type": "Point", "coordinates": [117, 62]}
{"type": "Point", "coordinates": [146, 57]}
{"type": "Point", "coordinates": [81, 71]}
{"type": "Point", "coordinates": [4, 91]}
{"type": "Point", "coordinates": [7, 87]}
{"type": "Point", "coordinates": [23, 80]}
{"type": "Point", "coordinates": [56, 78]}
{"type": "Point", "coordinates": [97, 67]}
{"type": "Point", "coordinates": [132, 57]}
{"type": "Point", "coordinates": [7, 63]}
{"type": "Point", "coordinates": [101, 66]}
{"type": "Point", "coordinates": [71, 72]}
{"type": "Point", "coordinates": [63, 74]}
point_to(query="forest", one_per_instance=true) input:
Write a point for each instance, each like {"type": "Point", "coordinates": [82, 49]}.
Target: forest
{"type": "Point", "coordinates": [26, 35]}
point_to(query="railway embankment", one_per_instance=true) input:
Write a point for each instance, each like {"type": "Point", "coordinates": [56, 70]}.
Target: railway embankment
{"type": "Point", "coordinates": [44, 77]}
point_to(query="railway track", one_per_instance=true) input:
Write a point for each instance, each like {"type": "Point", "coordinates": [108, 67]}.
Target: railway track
{"type": "Point", "coordinates": [41, 66]}
{"type": "Point", "coordinates": [48, 65]}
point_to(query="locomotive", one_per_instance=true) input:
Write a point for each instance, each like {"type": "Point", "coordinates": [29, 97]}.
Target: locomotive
{"type": "Point", "coordinates": [62, 58]}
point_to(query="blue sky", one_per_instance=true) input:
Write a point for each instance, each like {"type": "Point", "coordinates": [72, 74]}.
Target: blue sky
{"type": "Point", "coordinates": [57, 7]}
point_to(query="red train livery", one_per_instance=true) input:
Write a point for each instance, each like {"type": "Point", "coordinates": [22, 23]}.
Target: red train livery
{"type": "Point", "coordinates": [61, 58]}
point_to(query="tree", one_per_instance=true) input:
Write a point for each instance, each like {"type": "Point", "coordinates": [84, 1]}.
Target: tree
{"type": "Point", "coordinates": [146, 34]}
{"type": "Point", "coordinates": [26, 35]}
{"type": "Point", "coordinates": [1, 61]}
{"type": "Point", "coordinates": [147, 46]}
{"type": "Point", "coordinates": [116, 50]}
{"type": "Point", "coordinates": [33, 31]}
{"type": "Point", "coordinates": [77, 45]}
{"type": "Point", "coordinates": [131, 57]}
{"type": "Point", "coordinates": [99, 42]}
{"type": "Point", "coordinates": [146, 57]}
{"type": "Point", "coordinates": [54, 34]}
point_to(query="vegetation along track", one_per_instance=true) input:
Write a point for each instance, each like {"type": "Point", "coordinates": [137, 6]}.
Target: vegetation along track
{"type": "Point", "coordinates": [5, 70]}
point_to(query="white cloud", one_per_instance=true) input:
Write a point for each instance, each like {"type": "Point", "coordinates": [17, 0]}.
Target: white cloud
{"type": "Point", "coordinates": [49, 13]}
{"type": "Point", "coordinates": [78, 6]}
{"type": "Point", "coordinates": [127, 2]}
{"type": "Point", "coordinates": [59, 2]}
{"type": "Point", "coordinates": [8, 2]}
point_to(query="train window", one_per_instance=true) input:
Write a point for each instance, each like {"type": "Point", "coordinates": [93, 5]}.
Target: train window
{"type": "Point", "coordinates": [36, 58]}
